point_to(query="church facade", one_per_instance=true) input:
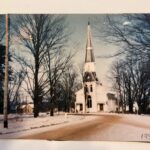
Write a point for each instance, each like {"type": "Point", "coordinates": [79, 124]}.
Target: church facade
{"type": "Point", "coordinates": [92, 97]}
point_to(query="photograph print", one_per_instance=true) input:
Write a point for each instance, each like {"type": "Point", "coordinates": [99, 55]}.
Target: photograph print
{"type": "Point", "coordinates": [75, 77]}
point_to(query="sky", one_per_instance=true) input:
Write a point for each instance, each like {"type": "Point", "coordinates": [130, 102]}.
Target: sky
{"type": "Point", "coordinates": [79, 36]}
{"type": "Point", "coordinates": [77, 24]}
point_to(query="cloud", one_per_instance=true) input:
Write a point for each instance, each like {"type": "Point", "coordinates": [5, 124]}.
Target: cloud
{"type": "Point", "coordinates": [126, 23]}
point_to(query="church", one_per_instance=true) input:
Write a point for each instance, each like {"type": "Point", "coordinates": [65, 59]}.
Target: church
{"type": "Point", "coordinates": [92, 97]}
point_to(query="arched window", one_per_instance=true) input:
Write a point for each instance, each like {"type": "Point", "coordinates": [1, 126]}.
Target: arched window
{"type": "Point", "coordinates": [86, 89]}
{"type": "Point", "coordinates": [89, 101]}
{"type": "Point", "coordinates": [91, 88]}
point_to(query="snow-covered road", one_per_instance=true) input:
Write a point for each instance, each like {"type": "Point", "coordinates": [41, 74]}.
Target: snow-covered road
{"type": "Point", "coordinates": [101, 127]}
{"type": "Point", "coordinates": [105, 127]}
{"type": "Point", "coordinates": [23, 125]}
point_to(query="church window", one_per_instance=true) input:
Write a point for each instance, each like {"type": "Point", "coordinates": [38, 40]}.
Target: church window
{"type": "Point", "coordinates": [81, 107]}
{"type": "Point", "coordinates": [91, 88]}
{"type": "Point", "coordinates": [89, 102]}
{"type": "Point", "coordinates": [86, 88]}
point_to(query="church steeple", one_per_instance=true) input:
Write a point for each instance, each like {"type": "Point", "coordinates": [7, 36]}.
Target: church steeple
{"type": "Point", "coordinates": [89, 66]}
{"type": "Point", "coordinates": [89, 57]}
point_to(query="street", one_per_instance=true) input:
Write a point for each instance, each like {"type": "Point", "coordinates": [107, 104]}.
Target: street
{"type": "Point", "coordinates": [104, 127]}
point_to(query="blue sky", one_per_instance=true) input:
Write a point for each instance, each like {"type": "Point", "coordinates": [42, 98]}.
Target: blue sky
{"type": "Point", "coordinates": [78, 23]}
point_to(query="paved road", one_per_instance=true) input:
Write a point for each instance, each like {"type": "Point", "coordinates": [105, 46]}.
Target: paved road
{"type": "Point", "coordinates": [78, 132]}
{"type": "Point", "coordinates": [103, 127]}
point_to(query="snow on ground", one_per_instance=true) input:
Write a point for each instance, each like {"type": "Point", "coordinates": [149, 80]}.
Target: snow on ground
{"type": "Point", "coordinates": [129, 128]}
{"type": "Point", "coordinates": [137, 119]}
{"type": "Point", "coordinates": [132, 127]}
{"type": "Point", "coordinates": [122, 132]}
{"type": "Point", "coordinates": [26, 124]}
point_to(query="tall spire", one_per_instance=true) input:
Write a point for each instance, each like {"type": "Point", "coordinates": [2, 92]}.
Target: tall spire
{"type": "Point", "coordinates": [89, 57]}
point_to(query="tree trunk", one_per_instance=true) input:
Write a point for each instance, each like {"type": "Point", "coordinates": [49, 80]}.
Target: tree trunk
{"type": "Point", "coordinates": [52, 108]}
{"type": "Point", "coordinates": [139, 105]}
{"type": "Point", "coordinates": [130, 103]}
{"type": "Point", "coordinates": [130, 106]}
{"type": "Point", "coordinates": [36, 109]}
{"type": "Point", "coordinates": [130, 100]}
{"type": "Point", "coordinates": [36, 97]}
{"type": "Point", "coordinates": [52, 111]}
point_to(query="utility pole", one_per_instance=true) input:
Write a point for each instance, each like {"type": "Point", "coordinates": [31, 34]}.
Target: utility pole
{"type": "Point", "coordinates": [5, 107]}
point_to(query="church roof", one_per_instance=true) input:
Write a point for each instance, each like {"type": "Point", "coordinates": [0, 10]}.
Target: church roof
{"type": "Point", "coordinates": [89, 56]}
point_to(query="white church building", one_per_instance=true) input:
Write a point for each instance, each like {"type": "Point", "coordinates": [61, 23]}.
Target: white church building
{"type": "Point", "coordinates": [92, 97]}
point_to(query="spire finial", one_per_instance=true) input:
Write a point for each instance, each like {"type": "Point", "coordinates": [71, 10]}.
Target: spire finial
{"type": "Point", "coordinates": [89, 57]}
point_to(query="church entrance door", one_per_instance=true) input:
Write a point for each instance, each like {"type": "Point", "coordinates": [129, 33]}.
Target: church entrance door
{"type": "Point", "coordinates": [101, 107]}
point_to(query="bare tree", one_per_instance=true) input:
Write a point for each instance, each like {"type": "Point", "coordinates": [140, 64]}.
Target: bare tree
{"type": "Point", "coordinates": [131, 33]}
{"type": "Point", "coordinates": [38, 33]}
{"type": "Point", "coordinates": [15, 84]}
{"type": "Point", "coordinates": [71, 84]}
{"type": "Point", "coordinates": [128, 31]}
{"type": "Point", "coordinates": [55, 65]}
{"type": "Point", "coordinates": [115, 77]}
{"type": "Point", "coordinates": [81, 70]}
{"type": "Point", "coordinates": [131, 81]}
